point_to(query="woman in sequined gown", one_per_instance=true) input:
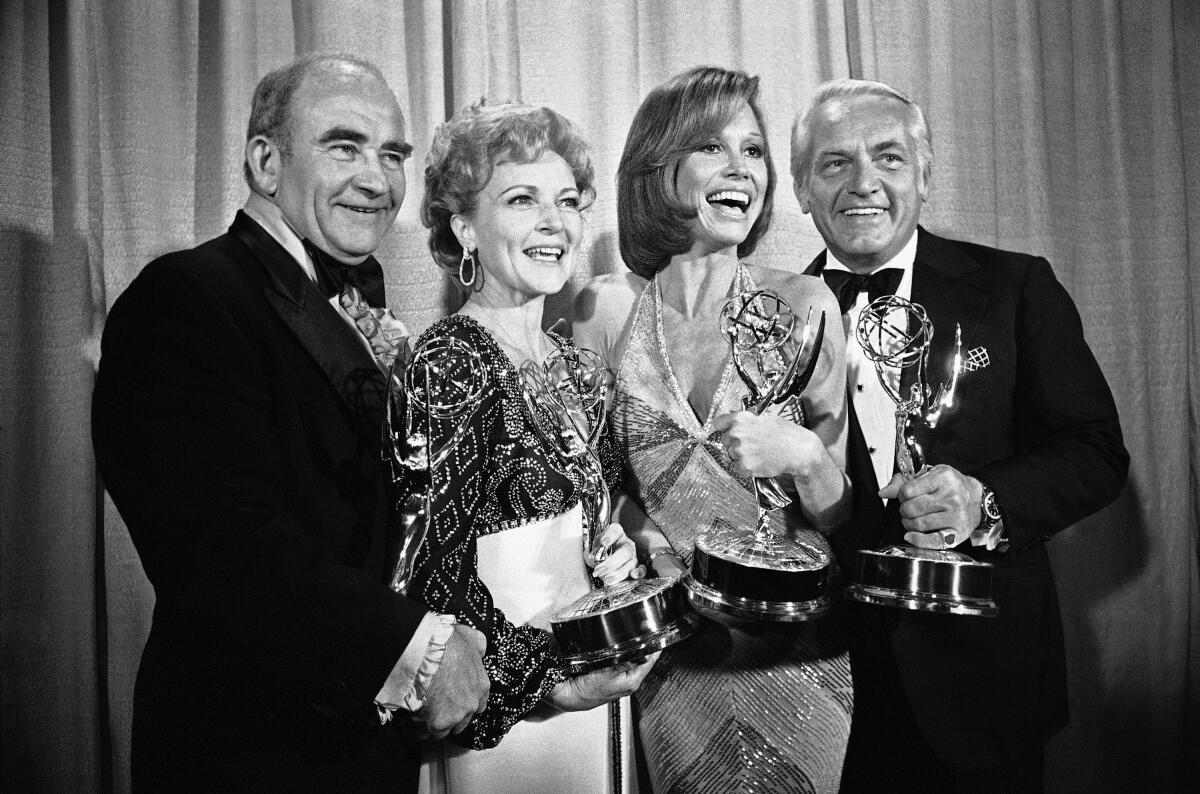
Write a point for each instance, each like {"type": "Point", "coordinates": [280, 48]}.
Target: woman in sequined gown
{"type": "Point", "coordinates": [761, 707]}
{"type": "Point", "coordinates": [505, 546]}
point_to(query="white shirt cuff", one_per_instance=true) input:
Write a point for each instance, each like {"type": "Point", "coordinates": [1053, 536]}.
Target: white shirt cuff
{"type": "Point", "coordinates": [991, 539]}
{"type": "Point", "coordinates": [409, 680]}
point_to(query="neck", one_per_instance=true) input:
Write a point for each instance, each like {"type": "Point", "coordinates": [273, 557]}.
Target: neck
{"type": "Point", "coordinates": [517, 326]}
{"type": "Point", "coordinates": [694, 284]}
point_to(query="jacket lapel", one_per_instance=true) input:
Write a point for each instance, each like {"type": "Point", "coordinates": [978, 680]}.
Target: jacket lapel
{"type": "Point", "coordinates": [945, 284]}
{"type": "Point", "coordinates": [328, 338]}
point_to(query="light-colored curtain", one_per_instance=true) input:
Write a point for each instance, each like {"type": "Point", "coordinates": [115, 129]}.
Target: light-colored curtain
{"type": "Point", "coordinates": [1064, 128]}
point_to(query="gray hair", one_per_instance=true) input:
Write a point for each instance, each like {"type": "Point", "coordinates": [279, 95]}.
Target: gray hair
{"type": "Point", "coordinates": [837, 91]}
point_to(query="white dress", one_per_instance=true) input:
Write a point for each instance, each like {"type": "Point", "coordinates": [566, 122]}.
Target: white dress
{"type": "Point", "coordinates": [533, 571]}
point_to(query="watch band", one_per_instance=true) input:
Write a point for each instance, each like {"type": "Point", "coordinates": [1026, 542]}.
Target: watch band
{"type": "Point", "coordinates": [989, 510]}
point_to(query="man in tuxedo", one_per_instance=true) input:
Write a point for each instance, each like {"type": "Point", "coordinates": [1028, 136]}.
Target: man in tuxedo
{"type": "Point", "coordinates": [236, 420]}
{"type": "Point", "coordinates": [948, 702]}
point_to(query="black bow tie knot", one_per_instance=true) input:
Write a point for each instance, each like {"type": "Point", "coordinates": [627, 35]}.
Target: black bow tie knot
{"type": "Point", "coordinates": [333, 276]}
{"type": "Point", "coordinates": [846, 285]}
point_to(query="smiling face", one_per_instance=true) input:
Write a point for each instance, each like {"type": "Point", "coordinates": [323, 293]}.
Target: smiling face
{"type": "Point", "coordinates": [525, 230]}
{"type": "Point", "coordinates": [343, 182]}
{"type": "Point", "coordinates": [724, 179]}
{"type": "Point", "coordinates": [865, 185]}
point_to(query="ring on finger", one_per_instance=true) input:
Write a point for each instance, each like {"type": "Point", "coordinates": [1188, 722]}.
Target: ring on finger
{"type": "Point", "coordinates": [947, 539]}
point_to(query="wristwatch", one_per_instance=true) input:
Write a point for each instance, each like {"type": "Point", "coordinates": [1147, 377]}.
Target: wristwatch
{"type": "Point", "coordinates": [989, 511]}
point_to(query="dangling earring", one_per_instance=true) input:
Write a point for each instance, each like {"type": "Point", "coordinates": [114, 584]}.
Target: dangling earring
{"type": "Point", "coordinates": [462, 266]}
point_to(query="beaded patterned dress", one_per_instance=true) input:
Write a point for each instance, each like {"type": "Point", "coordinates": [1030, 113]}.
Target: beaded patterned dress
{"type": "Point", "coordinates": [761, 707]}
{"type": "Point", "coordinates": [504, 552]}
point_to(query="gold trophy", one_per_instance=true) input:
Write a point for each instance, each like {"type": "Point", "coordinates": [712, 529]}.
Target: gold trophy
{"type": "Point", "coordinates": [761, 574]}
{"type": "Point", "coordinates": [443, 378]}
{"type": "Point", "coordinates": [895, 332]}
{"type": "Point", "coordinates": [566, 396]}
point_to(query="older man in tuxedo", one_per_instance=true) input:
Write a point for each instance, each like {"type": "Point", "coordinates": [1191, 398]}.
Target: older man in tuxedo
{"type": "Point", "coordinates": [947, 702]}
{"type": "Point", "coordinates": [236, 420]}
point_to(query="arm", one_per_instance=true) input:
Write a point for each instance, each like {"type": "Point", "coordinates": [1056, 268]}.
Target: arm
{"type": "Point", "coordinates": [648, 538]}
{"type": "Point", "coordinates": [1061, 457]}
{"type": "Point", "coordinates": [1070, 459]}
{"type": "Point", "coordinates": [188, 439]}
{"type": "Point", "coordinates": [520, 662]}
{"type": "Point", "coordinates": [812, 455]}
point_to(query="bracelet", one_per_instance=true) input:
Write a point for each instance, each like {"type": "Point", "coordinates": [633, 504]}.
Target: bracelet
{"type": "Point", "coordinates": [661, 552]}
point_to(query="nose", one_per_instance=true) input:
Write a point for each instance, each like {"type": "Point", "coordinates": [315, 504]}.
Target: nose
{"type": "Point", "coordinates": [370, 177]}
{"type": "Point", "coordinates": [736, 166]}
{"type": "Point", "coordinates": [863, 179]}
{"type": "Point", "coordinates": [551, 219]}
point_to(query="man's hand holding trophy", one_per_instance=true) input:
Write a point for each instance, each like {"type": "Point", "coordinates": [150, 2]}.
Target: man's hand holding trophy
{"type": "Point", "coordinates": [895, 334]}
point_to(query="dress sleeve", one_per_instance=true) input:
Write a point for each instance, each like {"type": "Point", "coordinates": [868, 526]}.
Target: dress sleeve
{"type": "Point", "coordinates": [520, 661]}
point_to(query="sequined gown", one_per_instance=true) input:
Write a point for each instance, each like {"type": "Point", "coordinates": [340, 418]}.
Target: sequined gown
{"type": "Point", "coordinates": [504, 552]}
{"type": "Point", "coordinates": [761, 707]}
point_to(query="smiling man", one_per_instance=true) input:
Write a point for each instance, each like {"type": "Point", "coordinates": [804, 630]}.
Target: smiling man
{"type": "Point", "coordinates": [236, 421]}
{"type": "Point", "coordinates": [1033, 444]}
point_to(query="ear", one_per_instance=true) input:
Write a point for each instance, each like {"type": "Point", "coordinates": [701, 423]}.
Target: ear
{"type": "Point", "coordinates": [263, 160]}
{"type": "Point", "coordinates": [926, 176]}
{"type": "Point", "coordinates": [801, 196]}
{"type": "Point", "coordinates": [464, 231]}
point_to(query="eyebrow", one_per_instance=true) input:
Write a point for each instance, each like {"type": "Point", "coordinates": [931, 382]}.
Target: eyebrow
{"type": "Point", "coordinates": [875, 149]}
{"type": "Point", "coordinates": [343, 134]}
{"type": "Point", "coordinates": [354, 136]}
{"type": "Point", "coordinates": [534, 189]}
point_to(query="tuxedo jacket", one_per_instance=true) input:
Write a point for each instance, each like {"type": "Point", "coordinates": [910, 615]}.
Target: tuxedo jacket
{"type": "Point", "coordinates": [236, 422]}
{"type": "Point", "coordinates": [1038, 424]}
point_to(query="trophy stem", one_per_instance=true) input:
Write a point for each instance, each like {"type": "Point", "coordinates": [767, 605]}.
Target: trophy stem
{"type": "Point", "coordinates": [762, 532]}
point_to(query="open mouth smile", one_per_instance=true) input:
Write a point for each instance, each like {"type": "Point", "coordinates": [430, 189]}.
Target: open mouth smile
{"type": "Point", "coordinates": [858, 212]}
{"type": "Point", "coordinates": [734, 203]}
{"type": "Point", "coordinates": [545, 253]}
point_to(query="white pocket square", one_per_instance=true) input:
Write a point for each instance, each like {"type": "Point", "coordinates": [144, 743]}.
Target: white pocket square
{"type": "Point", "coordinates": [977, 358]}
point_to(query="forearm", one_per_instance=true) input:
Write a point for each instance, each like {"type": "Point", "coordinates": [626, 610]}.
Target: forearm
{"type": "Point", "coordinates": [824, 494]}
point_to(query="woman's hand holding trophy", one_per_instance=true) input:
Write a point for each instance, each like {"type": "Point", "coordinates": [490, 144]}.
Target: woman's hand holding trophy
{"type": "Point", "coordinates": [627, 618]}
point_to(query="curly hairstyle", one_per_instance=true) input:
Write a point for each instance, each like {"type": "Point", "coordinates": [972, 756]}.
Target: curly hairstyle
{"type": "Point", "coordinates": [674, 118]}
{"type": "Point", "coordinates": [835, 93]}
{"type": "Point", "coordinates": [271, 105]}
{"type": "Point", "coordinates": [466, 149]}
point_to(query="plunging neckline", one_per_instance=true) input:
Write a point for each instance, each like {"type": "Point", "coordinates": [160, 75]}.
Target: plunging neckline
{"type": "Point", "coordinates": [704, 427]}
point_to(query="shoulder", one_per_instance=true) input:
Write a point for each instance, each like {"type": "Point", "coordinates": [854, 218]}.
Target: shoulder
{"type": "Point", "coordinates": [608, 296]}
{"type": "Point", "coordinates": [995, 264]}
{"type": "Point", "coordinates": [458, 327]}
{"type": "Point", "coordinates": [603, 311]}
{"type": "Point", "coordinates": [797, 289]}
{"type": "Point", "coordinates": [210, 273]}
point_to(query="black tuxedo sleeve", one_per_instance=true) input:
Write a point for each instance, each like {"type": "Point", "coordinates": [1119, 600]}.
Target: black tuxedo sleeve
{"type": "Point", "coordinates": [1068, 457]}
{"type": "Point", "coordinates": [195, 446]}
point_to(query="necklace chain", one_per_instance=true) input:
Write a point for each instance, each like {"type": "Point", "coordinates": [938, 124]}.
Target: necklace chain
{"type": "Point", "coordinates": [502, 335]}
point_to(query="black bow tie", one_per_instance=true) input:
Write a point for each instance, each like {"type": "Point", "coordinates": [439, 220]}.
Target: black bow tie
{"type": "Point", "coordinates": [847, 285]}
{"type": "Point", "coordinates": [334, 276]}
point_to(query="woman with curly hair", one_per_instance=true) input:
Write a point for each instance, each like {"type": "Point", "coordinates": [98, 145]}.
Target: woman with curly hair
{"type": "Point", "coordinates": [506, 189]}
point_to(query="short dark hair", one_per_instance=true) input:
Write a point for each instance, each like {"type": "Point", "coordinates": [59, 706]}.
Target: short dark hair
{"type": "Point", "coordinates": [271, 105]}
{"type": "Point", "coordinates": [466, 149]}
{"type": "Point", "coordinates": [836, 92]}
{"type": "Point", "coordinates": [674, 118]}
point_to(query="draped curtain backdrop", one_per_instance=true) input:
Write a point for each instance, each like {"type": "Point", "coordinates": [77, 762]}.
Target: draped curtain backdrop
{"type": "Point", "coordinates": [1067, 128]}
